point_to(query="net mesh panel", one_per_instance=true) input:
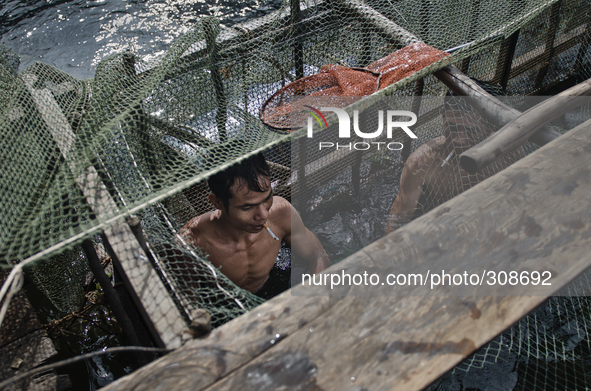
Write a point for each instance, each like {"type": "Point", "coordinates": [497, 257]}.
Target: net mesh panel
{"type": "Point", "coordinates": [548, 349]}
{"type": "Point", "coordinates": [153, 131]}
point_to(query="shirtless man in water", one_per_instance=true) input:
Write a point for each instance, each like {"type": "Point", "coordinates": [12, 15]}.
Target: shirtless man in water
{"type": "Point", "coordinates": [234, 234]}
{"type": "Point", "coordinates": [433, 170]}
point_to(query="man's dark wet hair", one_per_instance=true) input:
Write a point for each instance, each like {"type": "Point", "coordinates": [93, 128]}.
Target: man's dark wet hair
{"type": "Point", "coordinates": [248, 171]}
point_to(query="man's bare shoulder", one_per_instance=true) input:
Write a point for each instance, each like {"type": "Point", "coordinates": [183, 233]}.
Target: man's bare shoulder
{"type": "Point", "coordinates": [197, 226]}
{"type": "Point", "coordinates": [280, 214]}
{"type": "Point", "coordinates": [281, 205]}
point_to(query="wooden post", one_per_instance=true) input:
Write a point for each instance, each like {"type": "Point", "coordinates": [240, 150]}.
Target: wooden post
{"type": "Point", "coordinates": [139, 120]}
{"type": "Point", "coordinates": [465, 67]}
{"type": "Point", "coordinates": [516, 132]}
{"type": "Point", "coordinates": [129, 331]}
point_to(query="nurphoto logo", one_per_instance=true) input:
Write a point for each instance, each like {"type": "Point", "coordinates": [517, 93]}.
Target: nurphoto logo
{"type": "Point", "coordinates": [393, 121]}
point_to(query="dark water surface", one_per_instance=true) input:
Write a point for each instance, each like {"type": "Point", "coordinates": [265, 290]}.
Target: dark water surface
{"type": "Point", "coordinates": [75, 35]}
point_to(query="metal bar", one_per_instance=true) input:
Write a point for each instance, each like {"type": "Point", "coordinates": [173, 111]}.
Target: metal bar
{"type": "Point", "coordinates": [508, 48]}
{"type": "Point", "coordinates": [298, 49]}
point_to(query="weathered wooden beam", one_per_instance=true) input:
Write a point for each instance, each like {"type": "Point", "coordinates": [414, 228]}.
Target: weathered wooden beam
{"type": "Point", "coordinates": [516, 132]}
{"type": "Point", "coordinates": [486, 104]}
{"type": "Point", "coordinates": [152, 298]}
{"type": "Point", "coordinates": [24, 344]}
{"type": "Point", "coordinates": [404, 337]}
{"type": "Point", "coordinates": [251, 334]}
{"type": "Point", "coordinates": [20, 356]}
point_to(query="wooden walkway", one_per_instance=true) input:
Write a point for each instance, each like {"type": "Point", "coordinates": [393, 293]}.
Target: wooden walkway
{"type": "Point", "coordinates": [533, 216]}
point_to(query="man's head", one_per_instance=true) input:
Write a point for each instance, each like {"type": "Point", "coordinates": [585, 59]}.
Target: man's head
{"type": "Point", "coordinates": [251, 173]}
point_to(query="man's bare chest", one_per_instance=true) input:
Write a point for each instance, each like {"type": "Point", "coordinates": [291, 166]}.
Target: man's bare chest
{"type": "Point", "coordinates": [242, 263]}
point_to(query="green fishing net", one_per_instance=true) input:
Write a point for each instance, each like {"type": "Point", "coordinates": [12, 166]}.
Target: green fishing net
{"type": "Point", "coordinates": [152, 130]}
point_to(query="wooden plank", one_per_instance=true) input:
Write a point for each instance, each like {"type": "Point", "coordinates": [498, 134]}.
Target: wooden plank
{"type": "Point", "coordinates": [516, 132]}
{"type": "Point", "coordinates": [24, 344]}
{"type": "Point", "coordinates": [404, 337]}
{"type": "Point", "coordinates": [227, 347]}
{"type": "Point", "coordinates": [151, 294]}
{"type": "Point", "coordinates": [374, 351]}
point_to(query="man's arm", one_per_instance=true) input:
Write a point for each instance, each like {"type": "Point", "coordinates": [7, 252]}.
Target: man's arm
{"type": "Point", "coordinates": [411, 182]}
{"type": "Point", "coordinates": [305, 245]}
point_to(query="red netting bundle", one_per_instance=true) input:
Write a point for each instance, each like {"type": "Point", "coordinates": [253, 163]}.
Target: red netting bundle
{"type": "Point", "coordinates": [286, 108]}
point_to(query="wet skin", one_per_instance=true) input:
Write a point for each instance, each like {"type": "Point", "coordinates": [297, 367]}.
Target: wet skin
{"type": "Point", "coordinates": [239, 245]}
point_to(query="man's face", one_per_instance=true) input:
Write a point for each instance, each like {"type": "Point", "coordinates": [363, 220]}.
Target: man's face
{"type": "Point", "coordinates": [248, 210]}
